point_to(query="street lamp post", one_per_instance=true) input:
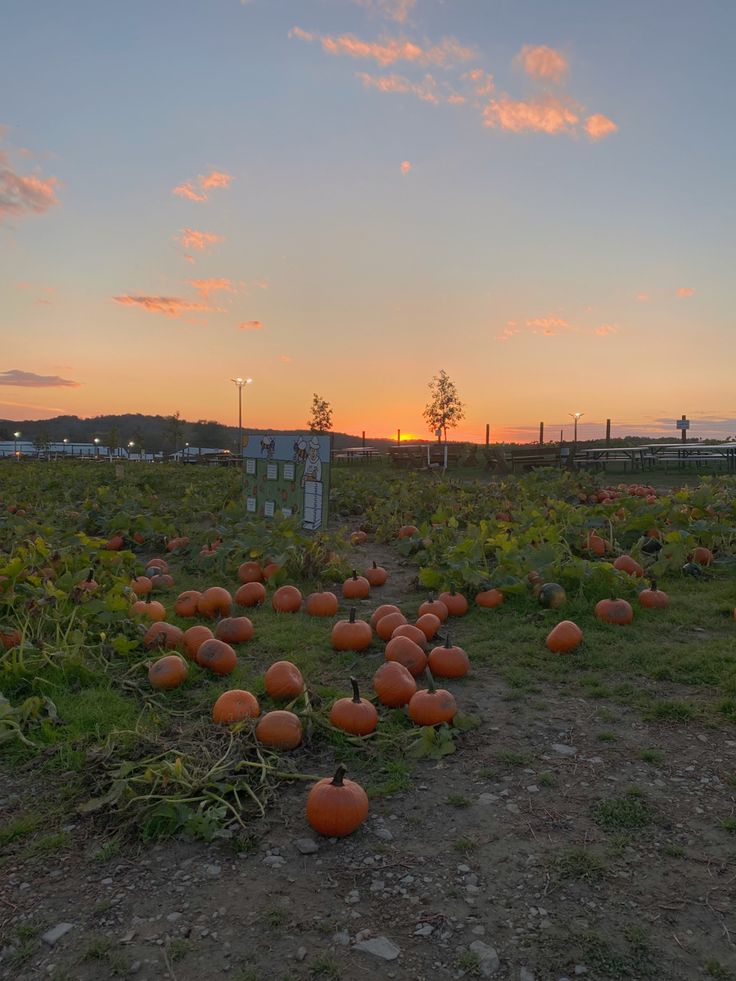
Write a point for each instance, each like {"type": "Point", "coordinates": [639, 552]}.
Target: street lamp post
{"type": "Point", "coordinates": [186, 452]}
{"type": "Point", "coordinates": [65, 441]}
{"type": "Point", "coordinates": [575, 416]}
{"type": "Point", "coordinates": [131, 444]}
{"type": "Point", "coordinates": [240, 384]}
{"type": "Point", "coordinates": [96, 441]}
{"type": "Point", "coordinates": [16, 437]}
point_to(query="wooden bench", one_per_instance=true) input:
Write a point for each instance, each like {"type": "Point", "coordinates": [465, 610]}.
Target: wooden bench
{"type": "Point", "coordinates": [538, 456]}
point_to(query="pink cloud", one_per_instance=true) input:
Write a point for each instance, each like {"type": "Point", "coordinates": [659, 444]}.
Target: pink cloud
{"type": "Point", "coordinates": [599, 126]}
{"type": "Point", "coordinates": [389, 50]}
{"type": "Point", "coordinates": [206, 286]}
{"type": "Point", "coordinates": [605, 329]}
{"type": "Point", "coordinates": [190, 238]}
{"type": "Point", "coordinates": [396, 10]}
{"type": "Point", "coordinates": [169, 306]}
{"type": "Point", "coordinates": [21, 196]}
{"type": "Point", "coordinates": [28, 379]}
{"type": "Point", "coordinates": [481, 82]}
{"type": "Point", "coordinates": [545, 114]}
{"type": "Point", "coordinates": [197, 190]}
{"type": "Point", "coordinates": [286, 359]}
{"type": "Point", "coordinates": [684, 291]}
{"type": "Point", "coordinates": [542, 63]}
{"type": "Point", "coordinates": [427, 90]}
{"type": "Point", "coordinates": [642, 297]}
{"type": "Point", "coordinates": [405, 166]}
{"type": "Point", "coordinates": [251, 325]}
{"type": "Point", "coordinates": [548, 326]}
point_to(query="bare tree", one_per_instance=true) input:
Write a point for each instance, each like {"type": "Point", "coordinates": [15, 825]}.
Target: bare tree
{"type": "Point", "coordinates": [444, 410]}
{"type": "Point", "coordinates": [320, 420]}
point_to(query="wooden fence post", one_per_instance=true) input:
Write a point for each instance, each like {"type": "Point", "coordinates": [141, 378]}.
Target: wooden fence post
{"type": "Point", "coordinates": [398, 437]}
{"type": "Point", "coordinates": [541, 434]}
{"type": "Point", "coordinates": [608, 432]}
{"type": "Point", "coordinates": [488, 433]}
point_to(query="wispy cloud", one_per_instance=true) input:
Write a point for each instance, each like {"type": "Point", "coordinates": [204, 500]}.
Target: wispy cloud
{"type": "Point", "coordinates": [190, 238]}
{"type": "Point", "coordinates": [286, 359]}
{"type": "Point", "coordinates": [685, 291]}
{"type": "Point", "coordinates": [542, 114]}
{"type": "Point", "coordinates": [642, 297]}
{"type": "Point", "coordinates": [29, 379]}
{"type": "Point", "coordinates": [196, 190]}
{"type": "Point", "coordinates": [169, 306]}
{"type": "Point", "coordinates": [206, 286]}
{"type": "Point", "coordinates": [261, 284]}
{"type": "Point", "coordinates": [605, 329]}
{"type": "Point", "coordinates": [405, 166]}
{"type": "Point", "coordinates": [251, 325]}
{"type": "Point", "coordinates": [598, 126]}
{"type": "Point", "coordinates": [428, 90]}
{"type": "Point", "coordinates": [21, 195]}
{"type": "Point", "coordinates": [390, 50]}
{"type": "Point", "coordinates": [542, 63]}
{"type": "Point", "coordinates": [480, 81]}
{"type": "Point", "coordinates": [396, 10]}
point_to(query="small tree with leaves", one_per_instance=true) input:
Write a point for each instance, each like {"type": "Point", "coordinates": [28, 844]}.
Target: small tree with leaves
{"type": "Point", "coordinates": [444, 410]}
{"type": "Point", "coordinates": [173, 430]}
{"type": "Point", "coordinates": [320, 420]}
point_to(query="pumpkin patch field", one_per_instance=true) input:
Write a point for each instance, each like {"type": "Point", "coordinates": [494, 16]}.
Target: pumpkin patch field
{"type": "Point", "coordinates": [473, 729]}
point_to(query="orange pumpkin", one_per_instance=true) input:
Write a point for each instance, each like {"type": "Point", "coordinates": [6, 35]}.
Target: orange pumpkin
{"type": "Point", "coordinates": [250, 594]}
{"type": "Point", "coordinates": [250, 572]}
{"type": "Point", "coordinates": [141, 585]}
{"type": "Point", "coordinates": [283, 681]}
{"type": "Point", "coordinates": [437, 607]}
{"type": "Point", "coordinates": [394, 684]}
{"type": "Point", "coordinates": [217, 656]}
{"type": "Point", "coordinates": [234, 630]}
{"type": "Point", "coordinates": [160, 584]}
{"type": "Point", "coordinates": [613, 610]}
{"type": "Point", "coordinates": [148, 608]}
{"type": "Point", "coordinates": [163, 635]}
{"type": "Point", "coordinates": [388, 623]}
{"type": "Point", "coordinates": [336, 807]}
{"type": "Point", "coordinates": [376, 575]}
{"type": "Point", "coordinates": [161, 564]}
{"type": "Point", "coordinates": [168, 672]}
{"type": "Point", "coordinates": [565, 637]}
{"type": "Point", "coordinates": [9, 637]}
{"type": "Point", "coordinates": [287, 599]}
{"type": "Point", "coordinates": [355, 715]}
{"type": "Point", "coordinates": [356, 587]}
{"type": "Point", "coordinates": [406, 652]}
{"type": "Point", "coordinates": [448, 661]}
{"type": "Point", "coordinates": [194, 638]}
{"type": "Point", "coordinates": [358, 537]}
{"type": "Point", "coordinates": [115, 544]}
{"type": "Point", "coordinates": [595, 544]}
{"type": "Point", "coordinates": [180, 542]}
{"type": "Point", "coordinates": [625, 563]}
{"type": "Point", "coordinates": [702, 555]}
{"type": "Point", "coordinates": [187, 603]}
{"type": "Point", "coordinates": [413, 633]}
{"type": "Point", "coordinates": [235, 706]}
{"type": "Point", "coordinates": [431, 706]}
{"type": "Point", "coordinates": [653, 598]}
{"type": "Point", "coordinates": [408, 531]}
{"type": "Point", "coordinates": [489, 598]}
{"type": "Point", "coordinates": [351, 634]}
{"type": "Point", "coordinates": [429, 624]}
{"type": "Point", "coordinates": [381, 611]}
{"type": "Point", "coordinates": [279, 729]}
{"type": "Point", "coordinates": [456, 603]}
{"type": "Point", "coordinates": [215, 602]}
{"type": "Point", "coordinates": [321, 604]}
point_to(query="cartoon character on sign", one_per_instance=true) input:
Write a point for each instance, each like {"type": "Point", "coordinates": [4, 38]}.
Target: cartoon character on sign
{"type": "Point", "coordinates": [313, 487]}
{"type": "Point", "coordinates": [268, 446]}
{"type": "Point", "coordinates": [300, 450]}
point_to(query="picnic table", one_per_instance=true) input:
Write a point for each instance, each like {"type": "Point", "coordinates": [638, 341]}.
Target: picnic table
{"type": "Point", "coordinates": [599, 456]}
{"type": "Point", "coordinates": [353, 453]}
{"type": "Point", "coordinates": [686, 454]}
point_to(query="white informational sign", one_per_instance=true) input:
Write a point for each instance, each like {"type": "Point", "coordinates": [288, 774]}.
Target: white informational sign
{"type": "Point", "coordinates": [250, 504]}
{"type": "Point", "coordinates": [272, 471]}
{"type": "Point", "coordinates": [288, 471]}
{"type": "Point", "coordinates": [268, 509]}
{"type": "Point", "coordinates": [683, 424]}
{"type": "Point", "coordinates": [250, 466]}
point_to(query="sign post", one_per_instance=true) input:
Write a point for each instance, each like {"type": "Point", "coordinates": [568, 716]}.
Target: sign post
{"type": "Point", "coordinates": [683, 425]}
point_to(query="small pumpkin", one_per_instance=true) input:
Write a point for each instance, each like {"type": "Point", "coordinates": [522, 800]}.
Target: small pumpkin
{"type": "Point", "coordinates": [355, 715]}
{"type": "Point", "coordinates": [702, 555]}
{"type": "Point", "coordinates": [279, 729]}
{"type": "Point", "coordinates": [163, 635]}
{"type": "Point", "coordinates": [287, 599]}
{"type": "Point", "coordinates": [148, 608]}
{"type": "Point", "coordinates": [168, 672]}
{"type": "Point", "coordinates": [388, 623]}
{"type": "Point", "coordinates": [448, 661]}
{"type": "Point", "coordinates": [381, 611]}
{"type": "Point", "coordinates": [359, 537]}
{"type": "Point", "coordinates": [336, 807]}
{"type": "Point", "coordinates": [250, 572]}
{"type": "Point", "coordinates": [322, 604]}
{"type": "Point", "coordinates": [431, 706]}
{"type": "Point", "coordinates": [234, 630]}
{"type": "Point", "coordinates": [356, 587]}
{"type": "Point", "coordinates": [614, 610]}
{"type": "Point", "coordinates": [394, 684]}
{"type": "Point", "coordinates": [187, 603]}
{"type": "Point", "coordinates": [194, 638]}
{"type": "Point", "coordinates": [9, 637]}
{"type": "Point", "coordinates": [175, 544]}
{"type": "Point", "coordinates": [283, 681]}
{"type": "Point", "coordinates": [115, 544]}
{"type": "Point", "coordinates": [270, 568]}
{"type": "Point", "coordinates": [406, 652]}
{"type": "Point", "coordinates": [565, 637]}
{"type": "Point", "coordinates": [437, 607]}
{"type": "Point", "coordinates": [351, 634]}
{"type": "Point", "coordinates": [215, 602]}
{"type": "Point", "coordinates": [489, 598]}
{"type": "Point", "coordinates": [429, 624]}
{"type": "Point", "coordinates": [551, 596]}
{"type": "Point", "coordinates": [161, 564]}
{"type": "Point", "coordinates": [217, 656]}
{"type": "Point", "coordinates": [625, 563]}
{"type": "Point", "coordinates": [235, 706]}
{"type": "Point", "coordinates": [250, 594]}
{"type": "Point", "coordinates": [413, 633]}
{"type": "Point", "coordinates": [141, 585]}
{"type": "Point", "coordinates": [595, 544]}
{"type": "Point", "coordinates": [88, 585]}
{"type": "Point", "coordinates": [456, 603]}
{"type": "Point", "coordinates": [408, 531]}
{"type": "Point", "coordinates": [376, 575]}
{"type": "Point", "coordinates": [159, 584]}
{"type": "Point", "coordinates": [653, 598]}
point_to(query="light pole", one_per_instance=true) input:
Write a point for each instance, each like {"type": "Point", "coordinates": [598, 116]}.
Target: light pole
{"type": "Point", "coordinates": [186, 452]}
{"type": "Point", "coordinates": [65, 441]}
{"type": "Point", "coordinates": [96, 441]}
{"type": "Point", "coordinates": [131, 444]}
{"type": "Point", "coordinates": [240, 383]}
{"type": "Point", "coordinates": [575, 416]}
{"type": "Point", "coordinates": [16, 437]}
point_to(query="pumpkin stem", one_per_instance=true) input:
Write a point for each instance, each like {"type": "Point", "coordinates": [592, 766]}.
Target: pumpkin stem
{"type": "Point", "coordinates": [374, 564]}
{"type": "Point", "coordinates": [355, 574]}
{"type": "Point", "coordinates": [430, 680]}
{"type": "Point", "coordinates": [453, 591]}
{"type": "Point", "coordinates": [356, 691]}
{"type": "Point", "coordinates": [339, 774]}
{"type": "Point", "coordinates": [352, 614]}
{"type": "Point", "coordinates": [448, 645]}
{"type": "Point", "coordinates": [653, 585]}
{"type": "Point", "coordinates": [89, 575]}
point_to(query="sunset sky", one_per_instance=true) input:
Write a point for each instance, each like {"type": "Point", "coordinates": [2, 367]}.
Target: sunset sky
{"type": "Point", "coordinates": [345, 196]}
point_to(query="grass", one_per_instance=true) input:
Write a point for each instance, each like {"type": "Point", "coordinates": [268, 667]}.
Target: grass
{"type": "Point", "coordinates": [457, 800]}
{"type": "Point", "coordinates": [729, 824]}
{"type": "Point", "coordinates": [325, 967]}
{"type": "Point", "coordinates": [545, 779]}
{"type": "Point", "coordinates": [48, 844]}
{"type": "Point", "coordinates": [24, 825]}
{"type": "Point", "coordinates": [651, 755]}
{"type": "Point", "coordinates": [581, 864]}
{"type": "Point", "coordinates": [629, 813]}
{"type": "Point", "coordinates": [468, 962]}
{"type": "Point", "coordinates": [512, 758]}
